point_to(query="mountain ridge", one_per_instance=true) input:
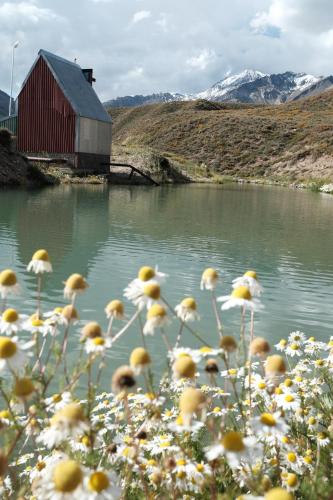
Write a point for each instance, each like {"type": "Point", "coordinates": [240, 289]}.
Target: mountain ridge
{"type": "Point", "coordinates": [248, 86]}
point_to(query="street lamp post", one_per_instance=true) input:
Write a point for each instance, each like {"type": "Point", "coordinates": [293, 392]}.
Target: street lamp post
{"type": "Point", "coordinates": [11, 79]}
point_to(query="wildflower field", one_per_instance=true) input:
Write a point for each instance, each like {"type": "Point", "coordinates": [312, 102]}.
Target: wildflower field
{"type": "Point", "coordinates": [239, 419]}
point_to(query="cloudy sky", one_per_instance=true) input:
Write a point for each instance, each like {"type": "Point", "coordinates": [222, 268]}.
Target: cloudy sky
{"type": "Point", "coordinates": [144, 46]}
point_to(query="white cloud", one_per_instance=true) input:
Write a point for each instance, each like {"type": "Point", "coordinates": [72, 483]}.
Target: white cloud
{"type": "Point", "coordinates": [202, 60]}
{"type": "Point", "coordinates": [162, 22]}
{"type": "Point", "coordinates": [140, 16]}
{"type": "Point", "coordinates": [309, 16]}
{"type": "Point", "coordinates": [24, 12]}
{"type": "Point", "coordinates": [136, 72]}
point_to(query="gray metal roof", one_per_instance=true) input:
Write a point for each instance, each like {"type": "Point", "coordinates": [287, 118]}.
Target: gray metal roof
{"type": "Point", "coordinates": [74, 85]}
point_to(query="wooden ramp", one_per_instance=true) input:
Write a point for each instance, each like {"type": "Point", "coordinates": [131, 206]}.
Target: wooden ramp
{"type": "Point", "coordinates": [133, 169]}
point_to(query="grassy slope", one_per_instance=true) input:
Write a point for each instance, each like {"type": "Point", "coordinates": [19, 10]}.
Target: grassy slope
{"type": "Point", "coordinates": [294, 140]}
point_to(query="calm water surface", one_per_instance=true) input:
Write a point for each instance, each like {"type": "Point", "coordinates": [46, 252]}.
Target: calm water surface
{"type": "Point", "coordinates": [107, 233]}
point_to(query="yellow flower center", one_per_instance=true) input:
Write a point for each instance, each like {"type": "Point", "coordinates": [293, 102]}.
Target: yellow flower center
{"type": "Point", "coordinates": [139, 357]}
{"type": "Point", "coordinates": [76, 282]}
{"type": "Point", "coordinates": [267, 419]}
{"type": "Point", "coordinates": [67, 476]}
{"type": "Point", "coordinates": [289, 398]}
{"type": "Point", "coordinates": [165, 444]}
{"type": "Point", "coordinates": [288, 382]}
{"type": "Point", "coordinates": [179, 420]}
{"type": "Point", "coordinates": [285, 440]}
{"type": "Point", "coordinates": [200, 467]}
{"type": "Point", "coordinates": [152, 290]}
{"type": "Point", "coordinates": [278, 494]}
{"type": "Point", "coordinates": [232, 371]}
{"type": "Point", "coordinates": [72, 411]}
{"type": "Point", "coordinates": [262, 385]}
{"type": "Point", "coordinates": [251, 274]}
{"type": "Point", "coordinates": [40, 465]}
{"type": "Point", "coordinates": [36, 322]}
{"type": "Point", "coordinates": [86, 441]}
{"type": "Point", "coordinates": [10, 316]}
{"type": "Point", "coordinates": [146, 273]}
{"type": "Point", "coordinates": [41, 255]}
{"type": "Point", "coordinates": [185, 367]}
{"type": "Point", "coordinates": [8, 278]}
{"type": "Point", "coordinates": [319, 362]}
{"type": "Point", "coordinates": [98, 341]}
{"type": "Point", "coordinates": [233, 441]}
{"type": "Point", "coordinates": [56, 398]}
{"type": "Point", "coordinates": [242, 292]}
{"type": "Point", "coordinates": [209, 274]}
{"type": "Point", "coordinates": [321, 435]}
{"type": "Point", "coordinates": [98, 481]}
{"type": "Point", "coordinates": [283, 342]}
{"type": "Point", "coordinates": [294, 346]}
{"type": "Point", "coordinates": [189, 303]}
{"type": "Point", "coordinates": [205, 349]}
{"type": "Point", "coordinates": [7, 348]}
{"type": "Point", "coordinates": [156, 311]}
{"type": "Point", "coordinates": [191, 400]}
{"type": "Point", "coordinates": [292, 480]}
{"type": "Point", "coordinates": [217, 409]}
{"type": "Point", "coordinates": [181, 462]}
{"type": "Point", "coordinates": [312, 339]}
{"type": "Point", "coordinates": [308, 460]}
{"type": "Point", "coordinates": [23, 387]}
{"type": "Point", "coordinates": [312, 421]}
{"type": "Point", "coordinates": [5, 414]}
{"type": "Point", "coordinates": [69, 312]}
{"type": "Point", "coordinates": [291, 457]}
{"type": "Point", "coordinates": [115, 306]}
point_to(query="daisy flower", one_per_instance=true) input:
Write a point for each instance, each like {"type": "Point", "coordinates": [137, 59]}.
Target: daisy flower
{"type": "Point", "coordinates": [60, 479]}
{"type": "Point", "coordinates": [187, 310]}
{"type": "Point", "coordinates": [209, 279]}
{"type": "Point", "coordinates": [11, 322]}
{"type": "Point", "coordinates": [288, 401]}
{"type": "Point", "coordinates": [250, 280]}
{"type": "Point", "coordinates": [8, 283]}
{"type": "Point", "coordinates": [236, 449]}
{"type": "Point", "coordinates": [58, 401]}
{"type": "Point", "coordinates": [240, 297]}
{"type": "Point", "coordinates": [101, 485]}
{"type": "Point", "coordinates": [323, 439]}
{"type": "Point", "coordinates": [269, 425]}
{"type": "Point", "coordinates": [294, 349]}
{"type": "Point", "coordinates": [35, 324]}
{"type": "Point", "coordinates": [297, 336]}
{"type": "Point", "coordinates": [281, 345]}
{"type": "Point", "coordinates": [180, 426]}
{"type": "Point", "coordinates": [40, 262]}
{"type": "Point", "coordinates": [115, 309]}
{"type": "Point", "coordinates": [68, 422]}
{"type": "Point", "coordinates": [74, 284]}
{"type": "Point", "coordinates": [139, 360]}
{"type": "Point", "coordinates": [156, 318]}
{"type": "Point", "coordinates": [97, 345]}
{"type": "Point", "coordinates": [145, 295]}
{"type": "Point", "coordinates": [146, 276]}
{"type": "Point", "coordinates": [12, 355]}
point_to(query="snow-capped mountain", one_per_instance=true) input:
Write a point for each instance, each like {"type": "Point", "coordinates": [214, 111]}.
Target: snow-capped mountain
{"type": "Point", "coordinates": [249, 86]}
{"type": "Point", "coordinates": [140, 100]}
{"type": "Point", "coordinates": [223, 87]}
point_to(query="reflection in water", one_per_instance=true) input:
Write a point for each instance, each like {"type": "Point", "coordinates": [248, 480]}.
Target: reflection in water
{"type": "Point", "coordinates": [108, 233]}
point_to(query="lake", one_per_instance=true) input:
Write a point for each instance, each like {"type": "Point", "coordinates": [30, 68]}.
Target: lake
{"type": "Point", "coordinates": [107, 233]}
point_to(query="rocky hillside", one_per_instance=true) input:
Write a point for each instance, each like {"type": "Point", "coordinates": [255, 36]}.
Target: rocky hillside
{"type": "Point", "coordinates": [293, 140]}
